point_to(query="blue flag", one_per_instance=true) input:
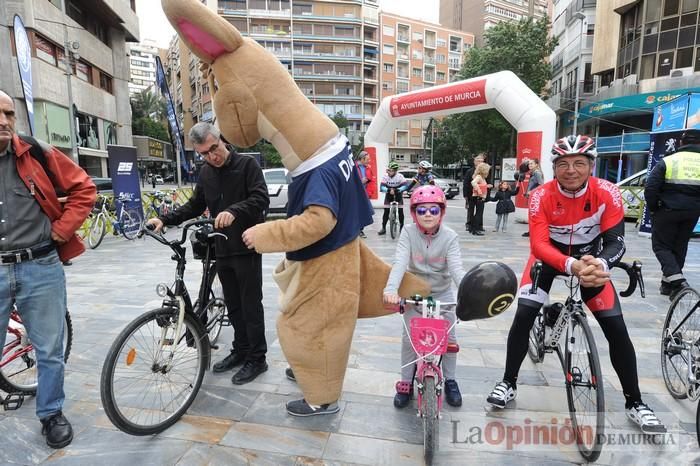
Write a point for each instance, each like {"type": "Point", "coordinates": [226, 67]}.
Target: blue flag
{"type": "Point", "coordinates": [24, 63]}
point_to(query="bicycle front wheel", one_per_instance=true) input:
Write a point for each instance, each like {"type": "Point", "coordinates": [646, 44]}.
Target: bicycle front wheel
{"type": "Point", "coordinates": [151, 375]}
{"type": "Point", "coordinates": [584, 388]}
{"type": "Point", "coordinates": [393, 224]}
{"type": "Point", "coordinates": [431, 420]}
{"type": "Point", "coordinates": [130, 223]}
{"type": "Point", "coordinates": [535, 346]}
{"type": "Point", "coordinates": [679, 341]}
{"type": "Point", "coordinates": [18, 367]}
{"type": "Point", "coordinates": [96, 231]}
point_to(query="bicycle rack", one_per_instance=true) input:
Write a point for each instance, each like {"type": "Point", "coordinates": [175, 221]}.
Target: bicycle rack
{"type": "Point", "coordinates": [12, 401]}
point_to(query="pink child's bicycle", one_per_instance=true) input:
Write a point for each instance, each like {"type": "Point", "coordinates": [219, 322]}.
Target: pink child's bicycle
{"type": "Point", "coordinates": [429, 338]}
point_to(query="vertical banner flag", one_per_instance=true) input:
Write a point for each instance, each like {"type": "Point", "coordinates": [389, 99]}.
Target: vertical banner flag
{"type": "Point", "coordinates": [529, 146]}
{"type": "Point", "coordinates": [172, 118]}
{"type": "Point", "coordinates": [24, 63]}
{"type": "Point", "coordinates": [125, 179]}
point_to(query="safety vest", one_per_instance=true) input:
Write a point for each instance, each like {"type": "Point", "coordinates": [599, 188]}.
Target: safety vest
{"type": "Point", "coordinates": [683, 168]}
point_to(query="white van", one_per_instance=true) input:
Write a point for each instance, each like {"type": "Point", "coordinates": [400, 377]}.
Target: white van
{"type": "Point", "coordinates": [632, 190]}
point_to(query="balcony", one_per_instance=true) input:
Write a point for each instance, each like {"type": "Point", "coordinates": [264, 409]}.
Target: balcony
{"type": "Point", "coordinates": [554, 102]}
{"type": "Point", "coordinates": [321, 56]}
{"type": "Point", "coordinates": [568, 95]}
{"type": "Point", "coordinates": [269, 13]}
{"type": "Point", "coordinates": [430, 61]}
{"type": "Point", "coordinates": [325, 76]}
{"type": "Point", "coordinates": [335, 19]}
{"type": "Point", "coordinates": [625, 143]}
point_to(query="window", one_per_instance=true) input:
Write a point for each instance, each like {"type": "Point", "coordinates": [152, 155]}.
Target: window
{"type": "Point", "coordinates": [387, 86]}
{"type": "Point", "coordinates": [415, 141]}
{"type": "Point", "coordinates": [653, 10]}
{"type": "Point", "coordinates": [689, 5]}
{"type": "Point", "coordinates": [684, 57]}
{"type": "Point", "coordinates": [440, 58]}
{"type": "Point", "coordinates": [388, 31]}
{"type": "Point", "coordinates": [440, 76]}
{"type": "Point", "coordinates": [441, 43]}
{"type": "Point", "coordinates": [418, 36]}
{"type": "Point", "coordinates": [402, 86]}
{"type": "Point", "coordinates": [84, 71]}
{"type": "Point", "coordinates": [300, 8]}
{"type": "Point", "coordinates": [671, 7]}
{"type": "Point", "coordinates": [697, 59]}
{"type": "Point", "coordinates": [388, 68]}
{"type": "Point", "coordinates": [647, 69]}
{"type": "Point", "coordinates": [416, 124]}
{"type": "Point", "coordinates": [417, 73]}
{"type": "Point", "coordinates": [105, 82]}
{"type": "Point", "coordinates": [665, 62]}
{"type": "Point", "coordinates": [45, 49]}
{"type": "Point", "coordinates": [388, 49]}
{"type": "Point", "coordinates": [402, 139]}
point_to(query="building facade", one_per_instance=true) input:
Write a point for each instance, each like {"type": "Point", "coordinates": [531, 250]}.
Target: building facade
{"type": "Point", "coordinates": [95, 34]}
{"type": "Point", "coordinates": [476, 16]}
{"type": "Point", "coordinates": [142, 66]}
{"type": "Point", "coordinates": [415, 55]}
{"type": "Point", "coordinates": [645, 53]}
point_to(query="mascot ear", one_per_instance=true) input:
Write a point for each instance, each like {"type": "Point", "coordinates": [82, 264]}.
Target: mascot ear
{"type": "Point", "coordinates": [207, 34]}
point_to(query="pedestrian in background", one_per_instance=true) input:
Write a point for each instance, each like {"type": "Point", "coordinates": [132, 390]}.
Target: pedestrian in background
{"type": "Point", "coordinates": [504, 204]}
{"type": "Point", "coordinates": [367, 177]}
{"type": "Point", "coordinates": [37, 232]}
{"type": "Point", "coordinates": [536, 179]}
{"type": "Point", "coordinates": [469, 200]}
{"type": "Point", "coordinates": [480, 192]}
{"type": "Point", "coordinates": [672, 195]}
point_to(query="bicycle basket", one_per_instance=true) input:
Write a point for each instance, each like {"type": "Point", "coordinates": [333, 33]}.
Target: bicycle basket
{"type": "Point", "coordinates": [200, 243]}
{"type": "Point", "coordinates": [429, 335]}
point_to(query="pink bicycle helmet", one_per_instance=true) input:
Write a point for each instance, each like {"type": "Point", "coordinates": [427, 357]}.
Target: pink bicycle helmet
{"type": "Point", "coordinates": [428, 194]}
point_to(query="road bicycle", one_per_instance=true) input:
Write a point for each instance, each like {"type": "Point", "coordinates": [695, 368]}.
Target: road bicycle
{"type": "Point", "coordinates": [429, 335]}
{"type": "Point", "coordinates": [578, 356]}
{"type": "Point", "coordinates": [127, 222]}
{"type": "Point", "coordinates": [680, 349]}
{"type": "Point", "coordinates": [154, 369]}
{"type": "Point", "coordinates": [18, 364]}
{"type": "Point", "coordinates": [393, 219]}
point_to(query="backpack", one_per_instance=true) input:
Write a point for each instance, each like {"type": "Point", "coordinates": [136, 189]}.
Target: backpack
{"type": "Point", "coordinates": [38, 154]}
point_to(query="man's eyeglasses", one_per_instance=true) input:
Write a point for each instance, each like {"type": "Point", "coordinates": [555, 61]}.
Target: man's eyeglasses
{"type": "Point", "coordinates": [434, 210]}
{"type": "Point", "coordinates": [579, 165]}
{"type": "Point", "coordinates": [213, 147]}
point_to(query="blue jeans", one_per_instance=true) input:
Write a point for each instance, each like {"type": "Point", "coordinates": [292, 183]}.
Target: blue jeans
{"type": "Point", "coordinates": [38, 287]}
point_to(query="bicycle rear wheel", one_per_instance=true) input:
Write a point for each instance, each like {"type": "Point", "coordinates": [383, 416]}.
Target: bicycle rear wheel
{"type": "Point", "coordinates": [431, 421]}
{"type": "Point", "coordinates": [535, 347]}
{"type": "Point", "coordinates": [681, 328]}
{"type": "Point", "coordinates": [18, 369]}
{"type": "Point", "coordinates": [129, 223]}
{"type": "Point", "coordinates": [584, 388]}
{"type": "Point", "coordinates": [96, 231]}
{"type": "Point", "coordinates": [151, 376]}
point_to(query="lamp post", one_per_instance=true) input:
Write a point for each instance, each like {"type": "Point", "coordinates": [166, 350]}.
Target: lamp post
{"type": "Point", "coordinates": [70, 51]}
{"type": "Point", "coordinates": [580, 16]}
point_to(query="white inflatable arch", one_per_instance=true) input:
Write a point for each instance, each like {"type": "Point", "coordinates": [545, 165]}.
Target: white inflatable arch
{"type": "Point", "coordinates": [534, 120]}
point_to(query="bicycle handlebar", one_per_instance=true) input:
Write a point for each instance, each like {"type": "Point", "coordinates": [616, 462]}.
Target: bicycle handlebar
{"type": "Point", "coordinates": [147, 229]}
{"type": "Point", "coordinates": [418, 300]}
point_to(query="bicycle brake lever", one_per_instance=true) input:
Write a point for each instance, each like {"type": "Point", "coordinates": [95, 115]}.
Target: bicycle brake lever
{"type": "Point", "coordinates": [640, 278]}
{"type": "Point", "coordinates": [211, 235]}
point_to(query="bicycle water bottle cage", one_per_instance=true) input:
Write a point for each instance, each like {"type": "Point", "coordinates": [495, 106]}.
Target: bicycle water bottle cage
{"type": "Point", "coordinates": [12, 401]}
{"type": "Point", "coordinates": [403, 387]}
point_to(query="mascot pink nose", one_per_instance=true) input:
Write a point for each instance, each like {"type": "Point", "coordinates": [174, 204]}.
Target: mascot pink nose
{"type": "Point", "coordinates": [201, 39]}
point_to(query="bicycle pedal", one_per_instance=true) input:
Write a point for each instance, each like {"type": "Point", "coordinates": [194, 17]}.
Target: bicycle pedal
{"type": "Point", "coordinates": [214, 347]}
{"type": "Point", "coordinates": [12, 401]}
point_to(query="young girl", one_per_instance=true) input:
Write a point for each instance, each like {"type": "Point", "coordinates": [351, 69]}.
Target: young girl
{"type": "Point", "coordinates": [430, 250]}
{"type": "Point", "coordinates": [480, 191]}
{"type": "Point", "coordinates": [393, 184]}
{"type": "Point", "coordinates": [504, 205]}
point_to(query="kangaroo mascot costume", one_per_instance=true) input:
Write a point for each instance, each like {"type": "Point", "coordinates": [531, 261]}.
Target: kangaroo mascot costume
{"type": "Point", "coordinates": [329, 277]}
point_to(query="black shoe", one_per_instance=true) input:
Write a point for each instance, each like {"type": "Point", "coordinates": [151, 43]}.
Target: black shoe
{"type": "Point", "coordinates": [235, 358]}
{"type": "Point", "coordinates": [68, 263]}
{"type": "Point", "coordinates": [452, 394]}
{"type": "Point", "coordinates": [665, 289]}
{"type": "Point", "coordinates": [290, 374]}
{"type": "Point", "coordinates": [382, 232]}
{"type": "Point", "coordinates": [479, 233]}
{"type": "Point", "coordinates": [249, 371]}
{"type": "Point", "coordinates": [526, 234]}
{"type": "Point", "coordinates": [677, 287]}
{"type": "Point", "coordinates": [57, 429]}
{"type": "Point", "coordinates": [362, 234]}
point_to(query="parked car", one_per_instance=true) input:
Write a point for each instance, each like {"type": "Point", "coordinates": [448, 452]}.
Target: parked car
{"type": "Point", "coordinates": [104, 185]}
{"type": "Point", "coordinates": [632, 190]}
{"type": "Point", "coordinates": [159, 180]}
{"type": "Point", "coordinates": [277, 180]}
{"type": "Point", "coordinates": [449, 186]}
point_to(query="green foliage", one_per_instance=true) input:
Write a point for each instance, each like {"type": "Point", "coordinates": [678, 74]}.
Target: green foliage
{"type": "Point", "coordinates": [144, 126]}
{"type": "Point", "coordinates": [522, 47]}
{"type": "Point", "coordinates": [268, 153]}
{"type": "Point", "coordinates": [340, 120]}
{"type": "Point", "coordinates": [148, 104]}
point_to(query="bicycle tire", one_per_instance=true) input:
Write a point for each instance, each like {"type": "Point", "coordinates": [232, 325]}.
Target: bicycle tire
{"type": "Point", "coordinates": [129, 223]}
{"type": "Point", "coordinates": [212, 318]}
{"type": "Point", "coordinates": [128, 412]}
{"type": "Point", "coordinates": [677, 329]}
{"type": "Point", "coordinates": [28, 384]}
{"type": "Point", "coordinates": [535, 346]}
{"type": "Point", "coordinates": [588, 434]}
{"type": "Point", "coordinates": [431, 421]}
{"type": "Point", "coordinates": [697, 423]}
{"type": "Point", "coordinates": [97, 231]}
{"type": "Point", "coordinates": [392, 223]}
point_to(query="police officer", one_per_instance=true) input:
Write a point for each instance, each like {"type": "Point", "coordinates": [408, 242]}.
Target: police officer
{"type": "Point", "coordinates": [673, 197]}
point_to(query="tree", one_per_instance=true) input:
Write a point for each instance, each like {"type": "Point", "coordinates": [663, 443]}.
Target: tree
{"type": "Point", "coordinates": [148, 104]}
{"type": "Point", "coordinates": [145, 126]}
{"type": "Point", "coordinates": [268, 153]}
{"type": "Point", "coordinates": [522, 47]}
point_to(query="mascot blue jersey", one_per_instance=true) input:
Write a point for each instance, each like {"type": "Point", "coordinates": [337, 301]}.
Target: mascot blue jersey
{"type": "Point", "coordinates": [336, 185]}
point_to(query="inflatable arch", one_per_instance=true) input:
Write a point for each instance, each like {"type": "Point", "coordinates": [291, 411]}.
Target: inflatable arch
{"type": "Point", "coordinates": [534, 120]}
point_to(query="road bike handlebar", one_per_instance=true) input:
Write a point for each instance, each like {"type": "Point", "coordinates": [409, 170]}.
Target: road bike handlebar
{"type": "Point", "coordinates": [147, 229]}
{"type": "Point", "coordinates": [418, 300]}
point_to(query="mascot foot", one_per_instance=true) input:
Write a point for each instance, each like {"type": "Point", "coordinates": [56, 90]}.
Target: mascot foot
{"type": "Point", "coordinates": [290, 374]}
{"type": "Point", "coordinates": [302, 409]}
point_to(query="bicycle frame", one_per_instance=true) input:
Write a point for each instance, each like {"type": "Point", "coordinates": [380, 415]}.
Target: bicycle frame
{"type": "Point", "coordinates": [24, 345]}
{"type": "Point", "coordinates": [685, 348]}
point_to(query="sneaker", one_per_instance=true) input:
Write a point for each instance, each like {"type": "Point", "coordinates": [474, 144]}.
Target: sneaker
{"type": "Point", "coordinates": [290, 374]}
{"type": "Point", "coordinates": [301, 408]}
{"type": "Point", "coordinates": [249, 371]}
{"type": "Point", "coordinates": [452, 394]}
{"type": "Point", "coordinates": [665, 289]}
{"type": "Point", "coordinates": [644, 417]}
{"type": "Point", "coordinates": [234, 358]}
{"type": "Point", "coordinates": [57, 430]}
{"type": "Point", "coordinates": [382, 232]}
{"type": "Point", "coordinates": [502, 393]}
{"type": "Point", "coordinates": [526, 234]}
{"type": "Point", "coordinates": [362, 234]}
{"type": "Point", "coordinates": [404, 393]}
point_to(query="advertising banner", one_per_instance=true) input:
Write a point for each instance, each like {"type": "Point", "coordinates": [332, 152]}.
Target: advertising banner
{"type": "Point", "coordinates": [24, 63]}
{"type": "Point", "coordinates": [125, 179]}
{"type": "Point", "coordinates": [694, 112]}
{"type": "Point", "coordinates": [456, 96]}
{"type": "Point", "coordinates": [172, 117]}
{"type": "Point", "coordinates": [529, 147]}
{"type": "Point", "coordinates": [509, 169]}
{"type": "Point", "coordinates": [671, 115]}
{"type": "Point", "coordinates": [662, 144]}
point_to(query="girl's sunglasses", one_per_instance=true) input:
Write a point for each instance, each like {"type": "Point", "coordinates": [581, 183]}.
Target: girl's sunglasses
{"type": "Point", "coordinates": [434, 210]}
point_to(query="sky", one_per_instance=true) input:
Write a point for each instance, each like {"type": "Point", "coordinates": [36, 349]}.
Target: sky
{"type": "Point", "coordinates": [154, 25]}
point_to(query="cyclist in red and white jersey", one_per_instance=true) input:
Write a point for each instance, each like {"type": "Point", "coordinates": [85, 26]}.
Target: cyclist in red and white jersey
{"type": "Point", "coordinates": [577, 228]}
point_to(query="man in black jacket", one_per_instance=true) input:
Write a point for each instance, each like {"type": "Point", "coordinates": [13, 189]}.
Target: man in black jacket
{"type": "Point", "coordinates": [672, 195]}
{"type": "Point", "coordinates": [233, 188]}
{"type": "Point", "coordinates": [470, 201]}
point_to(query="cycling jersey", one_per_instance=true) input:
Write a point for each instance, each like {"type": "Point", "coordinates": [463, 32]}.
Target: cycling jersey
{"type": "Point", "coordinates": [422, 180]}
{"type": "Point", "coordinates": [396, 182]}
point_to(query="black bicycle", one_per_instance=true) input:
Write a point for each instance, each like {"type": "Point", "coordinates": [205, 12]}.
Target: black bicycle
{"type": "Point", "coordinates": [578, 356]}
{"type": "Point", "coordinates": [155, 367]}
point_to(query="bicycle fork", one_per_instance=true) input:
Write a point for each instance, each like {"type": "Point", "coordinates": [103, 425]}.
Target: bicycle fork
{"type": "Point", "coordinates": [429, 369]}
{"type": "Point", "coordinates": [170, 342]}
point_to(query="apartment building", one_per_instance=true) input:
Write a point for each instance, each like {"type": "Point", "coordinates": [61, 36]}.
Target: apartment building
{"type": "Point", "coordinates": [415, 55]}
{"type": "Point", "coordinates": [96, 48]}
{"type": "Point", "coordinates": [142, 66]}
{"type": "Point", "coordinates": [477, 16]}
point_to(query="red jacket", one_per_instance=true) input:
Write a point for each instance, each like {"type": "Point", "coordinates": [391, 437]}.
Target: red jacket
{"type": "Point", "coordinates": [70, 178]}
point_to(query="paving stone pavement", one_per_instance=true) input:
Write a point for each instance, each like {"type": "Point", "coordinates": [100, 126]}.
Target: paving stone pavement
{"type": "Point", "coordinates": [110, 286]}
